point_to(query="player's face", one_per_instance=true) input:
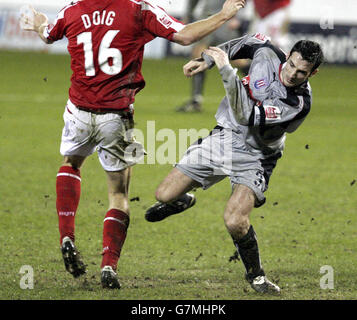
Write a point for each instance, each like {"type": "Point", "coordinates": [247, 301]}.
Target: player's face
{"type": "Point", "coordinates": [296, 70]}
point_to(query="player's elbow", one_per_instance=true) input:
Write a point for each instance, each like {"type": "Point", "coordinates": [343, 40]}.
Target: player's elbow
{"type": "Point", "coordinates": [183, 39]}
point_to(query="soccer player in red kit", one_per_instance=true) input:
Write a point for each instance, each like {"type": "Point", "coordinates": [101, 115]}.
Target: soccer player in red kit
{"type": "Point", "coordinates": [272, 19]}
{"type": "Point", "coordinates": [106, 41]}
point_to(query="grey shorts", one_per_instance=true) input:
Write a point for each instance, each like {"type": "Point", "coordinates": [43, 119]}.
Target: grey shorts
{"type": "Point", "coordinates": [222, 154]}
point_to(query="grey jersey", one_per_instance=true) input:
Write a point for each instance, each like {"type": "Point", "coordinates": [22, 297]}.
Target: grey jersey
{"type": "Point", "coordinates": [259, 107]}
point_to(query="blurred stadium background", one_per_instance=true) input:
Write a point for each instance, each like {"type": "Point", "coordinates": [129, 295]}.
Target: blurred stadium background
{"type": "Point", "coordinates": [309, 220]}
{"type": "Point", "coordinates": [332, 23]}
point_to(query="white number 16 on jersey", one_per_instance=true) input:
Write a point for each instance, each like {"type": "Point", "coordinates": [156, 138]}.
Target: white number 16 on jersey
{"type": "Point", "coordinates": [105, 52]}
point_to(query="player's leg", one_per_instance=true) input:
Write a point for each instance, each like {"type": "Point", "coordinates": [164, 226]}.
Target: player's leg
{"type": "Point", "coordinates": [172, 196]}
{"type": "Point", "coordinates": [198, 80]}
{"type": "Point", "coordinates": [174, 186]}
{"type": "Point", "coordinates": [76, 145]}
{"type": "Point", "coordinates": [68, 189]}
{"type": "Point", "coordinates": [236, 218]}
{"type": "Point", "coordinates": [115, 225]}
{"type": "Point", "coordinates": [196, 169]}
{"type": "Point", "coordinates": [197, 84]}
{"type": "Point", "coordinates": [116, 146]}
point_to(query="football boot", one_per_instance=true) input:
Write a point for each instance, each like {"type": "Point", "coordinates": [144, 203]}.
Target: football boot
{"type": "Point", "coordinates": [159, 211]}
{"type": "Point", "coordinates": [71, 258]}
{"type": "Point", "coordinates": [109, 278]}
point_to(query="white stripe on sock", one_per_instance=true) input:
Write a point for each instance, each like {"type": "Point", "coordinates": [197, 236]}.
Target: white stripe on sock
{"type": "Point", "coordinates": [68, 175]}
{"type": "Point", "coordinates": [114, 219]}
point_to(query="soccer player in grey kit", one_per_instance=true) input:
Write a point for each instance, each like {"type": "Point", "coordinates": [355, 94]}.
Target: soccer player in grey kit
{"type": "Point", "coordinates": [252, 121]}
{"type": "Point", "coordinates": [227, 31]}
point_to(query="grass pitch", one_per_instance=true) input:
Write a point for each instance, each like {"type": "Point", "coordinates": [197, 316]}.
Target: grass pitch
{"type": "Point", "coordinates": [309, 220]}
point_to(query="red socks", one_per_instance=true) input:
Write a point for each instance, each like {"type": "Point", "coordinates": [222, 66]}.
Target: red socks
{"type": "Point", "coordinates": [116, 223]}
{"type": "Point", "coordinates": [68, 188]}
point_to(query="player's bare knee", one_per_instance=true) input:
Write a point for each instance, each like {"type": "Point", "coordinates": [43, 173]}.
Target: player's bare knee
{"type": "Point", "coordinates": [162, 195]}
{"type": "Point", "coordinates": [237, 224]}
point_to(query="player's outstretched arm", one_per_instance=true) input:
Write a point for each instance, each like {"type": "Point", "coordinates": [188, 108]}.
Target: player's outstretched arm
{"type": "Point", "coordinates": [232, 85]}
{"type": "Point", "coordinates": [198, 30]}
{"type": "Point", "coordinates": [32, 20]}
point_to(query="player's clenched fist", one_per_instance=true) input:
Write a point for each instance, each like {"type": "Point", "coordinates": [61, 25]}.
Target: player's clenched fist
{"type": "Point", "coordinates": [231, 7]}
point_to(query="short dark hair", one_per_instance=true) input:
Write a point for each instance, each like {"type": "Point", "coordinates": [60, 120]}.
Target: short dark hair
{"type": "Point", "coordinates": [310, 51]}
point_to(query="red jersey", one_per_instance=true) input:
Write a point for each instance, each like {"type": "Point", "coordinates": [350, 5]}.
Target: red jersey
{"type": "Point", "coordinates": [266, 7]}
{"type": "Point", "coordinates": [106, 41]}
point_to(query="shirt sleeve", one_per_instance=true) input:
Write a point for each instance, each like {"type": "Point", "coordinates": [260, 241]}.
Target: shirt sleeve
{"type": "Point", "coordinates": [158, 22]}
{"type": "Point", "coordinates": [56, 31]}
{"type": "Point", "coordinates": [244, 48]}
{"type": "Point", "coordinates": [237, 96]}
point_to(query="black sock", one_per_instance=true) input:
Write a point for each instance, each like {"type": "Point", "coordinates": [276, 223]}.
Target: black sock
{"type": "Point", "coordinates": [248, 250]}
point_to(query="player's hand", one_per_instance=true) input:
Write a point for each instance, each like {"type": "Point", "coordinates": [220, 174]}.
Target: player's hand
{"type": "Point", "coordinates": [32, 20]}
{"type": "Point", "coordinates": [231, 7]}
{"type": "Point", "coordinates": [194, 66]}
{"type": "Point", "coordinates": [219, 56]}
